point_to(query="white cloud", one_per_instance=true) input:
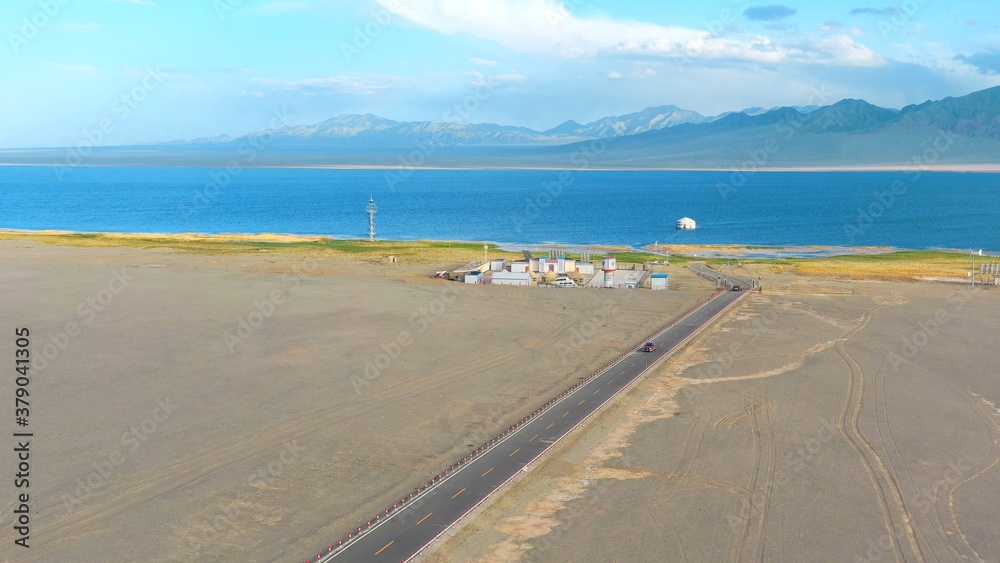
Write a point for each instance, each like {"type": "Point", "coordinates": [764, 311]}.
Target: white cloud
{"type": "Point", "coordinates": [352, 85]}
{"type": "Point", "coordinates": [531, 26]}
{"type": "Point", "coordinates": [840, 50]}
{"type": "Point", "coordinates": [548, 28]}
{"type": "Point", "coordinates": [82, 27]}
{"type": "Point", "coordinates": [635, 74]}
{"type": "Point", "coordinates": [495, 80]}
{"type": "Point", "coordinates": [506, 79]}
{"type": "Point", "coordinates": [482, 62]}
{"type": "Point", "coordinates": [76, 69]}
{"type": "Point", "coordinates": [139, 2]}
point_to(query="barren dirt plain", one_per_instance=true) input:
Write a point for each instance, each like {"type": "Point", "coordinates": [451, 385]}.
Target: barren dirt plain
{"type": "Point", "coordinates": [234, 407]}
{"type": "Point", "coordinates": [819, 421]}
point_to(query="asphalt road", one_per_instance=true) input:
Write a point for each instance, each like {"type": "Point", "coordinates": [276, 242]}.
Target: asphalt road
{"type": "Point", "coordinates": [407, 530]}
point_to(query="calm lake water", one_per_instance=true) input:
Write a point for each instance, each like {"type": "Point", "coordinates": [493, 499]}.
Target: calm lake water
{"type": "Point", "coordinates": [932, 210]}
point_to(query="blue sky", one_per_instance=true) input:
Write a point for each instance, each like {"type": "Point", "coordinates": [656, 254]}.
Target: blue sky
{"type": "Point", "coordinates": [150, 70]}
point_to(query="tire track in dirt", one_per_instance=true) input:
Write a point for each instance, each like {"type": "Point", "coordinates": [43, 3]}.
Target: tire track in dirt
{"type": "Point", "coordinates": [883, 504]}
{"type": "Point", "coordinates": [854, 437]}
{"type": "Point", "coordinates": [739, 541]}
{"type": "Point", "coordinates": [890, 447]}
{"type": "Point", "coordinates": [984, 465]}
{"type": "Point", "coordinates": [988, 423]}
{"type": "Point", "coordinates": [686, 459]}
{"type": "Point", "coordinates": [865, 449]}
{"type": "Point", "coordinates": [851, 432]}
{"type": "Point", "coordinates": [768, 482]}
{"type": "Point", "coordinates": [839, 323]}
{"type": "Point", "coordinates": [679, 478]}
{"type": "Point", "coordinates": [794, 365]}
{"type": "Point", "coordinates": [954, 517]}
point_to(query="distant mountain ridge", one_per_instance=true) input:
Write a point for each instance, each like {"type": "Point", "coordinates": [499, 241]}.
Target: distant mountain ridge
{"type": "Point", "coordinates": [961, 130]}
{"type": "Point", "coordinates": [649, 119]}
{"type": "Point", "coordinates": [363, 130]}
{"type": "Point", "coordinates": [974, 115]}
{"type": "Point", "coordinates": [372, 130]}
{"type": "Point", "coordinates": [956, 131]}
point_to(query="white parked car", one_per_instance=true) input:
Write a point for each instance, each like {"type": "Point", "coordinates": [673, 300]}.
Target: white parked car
{"type": "Point", "coordinates": [563, 282]}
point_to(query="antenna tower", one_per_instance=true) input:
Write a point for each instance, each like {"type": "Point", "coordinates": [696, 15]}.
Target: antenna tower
{"type": "Point", "coordinates": [371, 209]}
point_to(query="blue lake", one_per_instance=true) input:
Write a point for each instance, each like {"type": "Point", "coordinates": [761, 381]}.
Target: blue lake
{"type": "Point", "coordinates": [904, 210]}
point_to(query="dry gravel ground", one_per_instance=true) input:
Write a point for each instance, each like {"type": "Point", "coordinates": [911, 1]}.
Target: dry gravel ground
{"type": "Point", "coordinates": [167, 429]}
{"type": "Point", "coordinates": [805, 427]}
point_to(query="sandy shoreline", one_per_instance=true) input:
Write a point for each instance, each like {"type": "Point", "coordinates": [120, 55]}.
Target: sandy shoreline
{"type": "Point", "coordinates": [706, 250]}
{"type": "Point", "coordinates": [222, 237]}
{"type": "Point", "coordinates": [830, 262]}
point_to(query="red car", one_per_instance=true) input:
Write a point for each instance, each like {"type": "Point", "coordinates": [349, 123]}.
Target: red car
{"type": "Point", "coordinates": [648, 347]}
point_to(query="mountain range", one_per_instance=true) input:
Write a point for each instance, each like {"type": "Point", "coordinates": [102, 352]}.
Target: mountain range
{"type": "Point", "coordinates": [962, 130]}
{"type": "Point", "coordinates": [372, 130]}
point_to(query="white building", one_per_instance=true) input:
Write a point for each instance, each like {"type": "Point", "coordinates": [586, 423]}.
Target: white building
{"type": "Point", "coordinates": [686, 223]}
{"type": "Point", "coordinates": [546, 265]}
{"type": "Point", "coordinates": [659, 282]}
{"type": "Point", "coordinates": [511, 278]}
{"type": "Point", "coordinates": [474, 276]}
{"type": "Point", "coordinates": [519, 266]}
{"type": "Point", "coordinates": [560, 265]}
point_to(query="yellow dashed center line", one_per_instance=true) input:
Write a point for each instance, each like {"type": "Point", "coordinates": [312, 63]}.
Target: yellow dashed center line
{"type": "Point", "coordinates": [386, 547]}
{"type": "Point", "coordinates": [533, 439]}
{"type": "Point", "coordinates": [550, 426]}
{"type": "Point", "coordinates": [567, 412]}
{"type": "Point", "coordinates": [596, 392]}
{"type": "Point", "coordinates": [456, 494]}
{"type": "Point", "coordinates": [581, 402]}
{"type": "Point", "coordinates": [421, 521]}
{"type": "Point", "coordinates": [514, 452]}
{"type": "Point", "coordinates": [487, 472]}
